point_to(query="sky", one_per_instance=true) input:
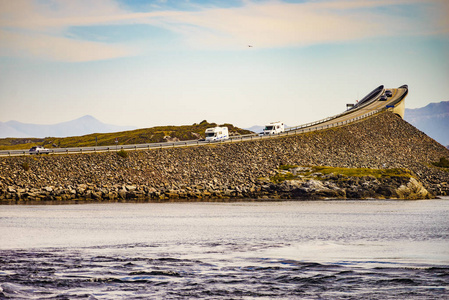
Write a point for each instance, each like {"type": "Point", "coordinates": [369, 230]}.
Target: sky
{"type": "Point", "coordinates": [245, 62]}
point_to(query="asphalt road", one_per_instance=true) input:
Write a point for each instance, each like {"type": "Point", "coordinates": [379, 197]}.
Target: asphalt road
{"type": "Point", "coordinates": [368, 108]}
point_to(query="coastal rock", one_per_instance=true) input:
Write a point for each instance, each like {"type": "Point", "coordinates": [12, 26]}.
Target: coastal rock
{"type": "Point", "coordinates": [48, 188]}
{"type": "Point", "coordinates": [242, 169]}
{"type": "Point", "coordinates": [130, 188]}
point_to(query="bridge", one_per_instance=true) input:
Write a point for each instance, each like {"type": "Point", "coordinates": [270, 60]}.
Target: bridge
{"type": "Point", "coordinates": [377, 101]}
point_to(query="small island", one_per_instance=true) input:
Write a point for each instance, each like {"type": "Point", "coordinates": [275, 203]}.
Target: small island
{"type": "Point", "coordinates": [380, 157]}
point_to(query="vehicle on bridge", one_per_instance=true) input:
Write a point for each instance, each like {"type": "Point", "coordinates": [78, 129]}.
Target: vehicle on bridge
{"type": "Point", "coordinates": [39, 150]}
{"type": "Point", "coordinates": [217, 134]}
{"type": "Point", "coordinates": [273, 128]}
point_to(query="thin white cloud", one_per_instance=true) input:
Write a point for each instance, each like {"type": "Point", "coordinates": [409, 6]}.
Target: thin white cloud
{"type": "Point", "coordinates": [58, 48]}
{"type": "Point", "coordinates": [24, 15]}
{"type": "Point", "coordinates": [31, 30]}
{"type": "Point", "coordinates": [440, 15]}
{"type": "Point", "coordinates": [272, 25]}
{"type": "Point", "coordinates": [278, 24]}
{"type": "Point", "coordinates": [36, 28]}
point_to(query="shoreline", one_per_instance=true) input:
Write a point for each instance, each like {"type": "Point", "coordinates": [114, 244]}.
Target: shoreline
{"type": "Point", "coordinates": [332, 186]}
{"type": "Point", "coordinates": [251, 170]}
{"type": "Point", "coordinates": [211, 200]}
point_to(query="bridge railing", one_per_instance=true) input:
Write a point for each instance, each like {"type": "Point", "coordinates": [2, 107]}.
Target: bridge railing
{"type": "Point", "coordinates": [292, 131]}
{"type": "Point", "coordinates": [316, 128]}
{"type": "Point", "coordinates": [371, 97]}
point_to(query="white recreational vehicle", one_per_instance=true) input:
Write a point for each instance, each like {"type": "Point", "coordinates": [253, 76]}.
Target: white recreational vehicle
{"type": "Point", "coordinates": [217, 134]}
{"type": "Point", "coordinates": [273, 128]}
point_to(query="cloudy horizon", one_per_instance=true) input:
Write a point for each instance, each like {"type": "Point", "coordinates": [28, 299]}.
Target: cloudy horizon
{"type": "Point", "coordinates": [149, 63]}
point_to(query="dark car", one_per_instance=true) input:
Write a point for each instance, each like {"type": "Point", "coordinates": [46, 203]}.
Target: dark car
{"type": "Point", "coordinates": [388, 93]}
{"type": "Point", "coordinates": [383, 98]}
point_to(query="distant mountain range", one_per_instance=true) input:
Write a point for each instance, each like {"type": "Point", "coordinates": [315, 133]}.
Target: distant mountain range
{"type": "Point", "coordinates": [256, 128]}
{"type": "Point", "coordinates": [432, 119]}
{"type": "Point", "coordinates": [82, 126]}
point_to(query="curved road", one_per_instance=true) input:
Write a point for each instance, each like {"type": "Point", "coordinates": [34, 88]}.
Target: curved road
{"type": "Point", "coordinates": [373, 106]}
{"type": "Point", "coordinates": [368, 106]}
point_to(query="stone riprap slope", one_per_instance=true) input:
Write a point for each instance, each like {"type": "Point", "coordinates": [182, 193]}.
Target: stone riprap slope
{"type": "Point", "coordinates": [233, 169]}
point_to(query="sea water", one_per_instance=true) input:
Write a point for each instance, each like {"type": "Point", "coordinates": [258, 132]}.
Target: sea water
{"type": "Point", "coordinates": [370, 249]}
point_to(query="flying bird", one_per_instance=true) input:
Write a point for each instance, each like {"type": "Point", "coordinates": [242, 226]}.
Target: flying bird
{"type": "Point", "coordinates": [250, 46]}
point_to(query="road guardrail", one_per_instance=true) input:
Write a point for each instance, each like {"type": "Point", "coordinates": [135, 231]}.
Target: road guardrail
{"type": "Point", "coordinates": [184, 143]}
{"type": "Point", "coordinates": [309, 127]}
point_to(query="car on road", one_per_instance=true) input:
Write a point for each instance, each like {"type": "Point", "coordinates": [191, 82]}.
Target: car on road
{"type": "Point", "coordinates": [217, 134]}
{"type": "Point", "coordinates": [388, 93]}
{"type": "Point", "coordinates": [273, 128]}
{"type": "Point", "coordinates": [39, 150]}
{"type": "Point", "coordinates": [383, 98]}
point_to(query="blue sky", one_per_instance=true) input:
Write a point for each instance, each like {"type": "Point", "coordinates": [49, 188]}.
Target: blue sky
{"type": "Point", "coordinates": [149, 63]}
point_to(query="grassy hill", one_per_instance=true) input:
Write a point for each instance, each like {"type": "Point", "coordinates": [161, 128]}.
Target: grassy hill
{"type": "Point", "coordinates": [138, 136]}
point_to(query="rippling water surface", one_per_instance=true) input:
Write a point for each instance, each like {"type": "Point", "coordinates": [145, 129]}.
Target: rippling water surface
{"type": "Point", "coordinates": [237, 250]}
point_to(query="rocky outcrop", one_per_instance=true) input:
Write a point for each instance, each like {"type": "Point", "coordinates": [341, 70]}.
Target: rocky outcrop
{"type": "Point", "coordinates": [344, 187]}
{"type": "Point", "coordinates": [233, 170]}
{"type": "Point", "coordinates": [353, 188]}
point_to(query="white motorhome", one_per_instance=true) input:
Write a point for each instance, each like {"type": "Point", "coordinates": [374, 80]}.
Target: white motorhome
{"type": "Point", "coordinates": [217, 134]}
{"type": "Point", "coordinates": [273, 128]}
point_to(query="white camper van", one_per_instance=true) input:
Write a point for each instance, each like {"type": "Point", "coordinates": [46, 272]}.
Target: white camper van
{"type": "Point", "coordinates": [273, 128]}
{"type": "Point", "coordinates": [217, 134]}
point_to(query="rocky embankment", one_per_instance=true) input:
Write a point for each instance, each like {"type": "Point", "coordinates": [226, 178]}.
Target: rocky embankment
{"type": "Point", "coordinates": [240, 170]}
{"type": "Point", "coordinates": [295, 182]}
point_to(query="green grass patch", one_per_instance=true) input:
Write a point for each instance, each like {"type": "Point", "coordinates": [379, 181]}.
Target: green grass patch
{"type": "Point", "coordinates": [360, 172]}
{"type": "Point", "coordinates": [443, 163]}
{"type": "Point", "coordinates": [138, 136]}
{"type": "Point", "coordinates": [122, 153]}
{"type": "Point", "coordinates": [287, 167]}
{"type": "Point", "coordinates": [280, 177]}
{"type": "Point", "coordinates": [310, 172]}
{"type": "Point", "coordinates": [26, 166]}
